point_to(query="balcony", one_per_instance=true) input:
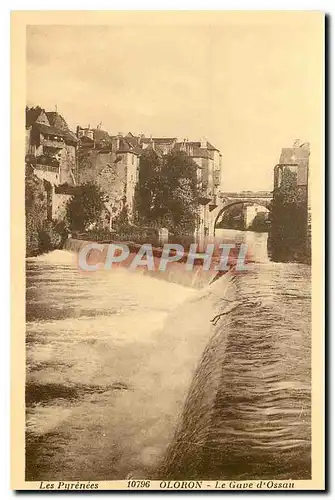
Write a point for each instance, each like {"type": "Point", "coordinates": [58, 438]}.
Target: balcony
{"type": "Point", "coordinates": [47, 163]}
{"type": "Point", "coordinates": [52, 142]}
{"type": "Point", "coordinates": [47, 168]}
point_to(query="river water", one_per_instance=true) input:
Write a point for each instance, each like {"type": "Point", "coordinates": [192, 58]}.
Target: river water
{"type": "Point", "coordinates": [130, 376]}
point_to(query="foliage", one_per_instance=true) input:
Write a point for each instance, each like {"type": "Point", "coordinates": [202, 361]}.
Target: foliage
{"type": "Point", "coordinates": [42, 234]}
{"type": "Point", "coordinates": [121, 223]}
{"type": "Point", "coordinates": [130, 233]}
{"type": "Point", "coordinates": [35, 210]}
{"type": "Point", "coordinates": [260, 223]}
{"type": "Point", "coordinates": [51, 236]}
{"type": "Point", "coordinates": [232, 218]}
{"type": "Point", "coordinates": [288, 217]}
{"type": "Point", "coordinates": [148, 189]}
{"type": "Point", "coordinates": [99, 233]}
{"type": "Point", "coordinates": [85, 207]}
{"type": "Point", "coordinates": [167, 194]}
{"type": "Point", "coordinates": [85, 171]}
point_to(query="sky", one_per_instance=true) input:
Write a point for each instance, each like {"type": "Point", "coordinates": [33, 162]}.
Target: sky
{"type": "Point", "coordinates": [249, 87]}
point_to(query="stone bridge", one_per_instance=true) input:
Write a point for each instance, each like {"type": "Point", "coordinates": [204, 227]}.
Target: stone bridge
{"type": "Point", "coordinates": [227, 200]}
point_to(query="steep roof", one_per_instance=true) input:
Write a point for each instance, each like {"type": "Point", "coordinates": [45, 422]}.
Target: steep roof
{"type": "Point", "coordinates": [197, 144]}
{"type": "Point", "coordinates": [201, 153]}
{"type": "Point", "coordinates": [211, 147]}
{"type": "Point", "coordinates": [134, 141]}
{"type": "Point", "coordinates": [101, 136]}
{"type": "Point", "coordinates": [125, 146]}
{"type": "Point", "coordinates": [137, 150]}
{"type": "Point", "coordinates": [65, 134]}
{"type": "Point", "coordinates": [57, 127]}
{"type": "Point", "coordinates": [158, 140]}
{"type": "Point", "coordinates": [32, 114]}
{"type": "Point", "coordinates": [59, 123]}
{"type": "Point", "coordinates": [56, 120]}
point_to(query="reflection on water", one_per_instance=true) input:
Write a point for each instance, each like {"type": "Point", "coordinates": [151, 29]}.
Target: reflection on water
{"type": "Point", "coordinates": [111, 357]}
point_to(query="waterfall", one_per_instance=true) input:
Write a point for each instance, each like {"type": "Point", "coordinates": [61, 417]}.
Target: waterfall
{"type": "Point", "coordinates": [174, 273]}
{"type": "Point", "coordinates": [210, 383]}
{"type": "Point", "coordinates": [247, 413]}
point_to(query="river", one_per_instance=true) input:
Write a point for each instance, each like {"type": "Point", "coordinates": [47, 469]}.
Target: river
{"type": "Point", "coordinates": [130, 376]}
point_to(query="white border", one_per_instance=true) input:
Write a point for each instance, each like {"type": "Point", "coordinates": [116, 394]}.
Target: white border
{"type": "Point", "coordinates": [6, 6]}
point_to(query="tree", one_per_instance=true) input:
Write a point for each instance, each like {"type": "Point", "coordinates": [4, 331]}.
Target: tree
{"type": "Point", "coordinates": [85, 207]}
{"type": "Point", "coordinates": [42, 233]}
{"type": "Point", "coordinates": [260, 223]}
{"type": "Point", "coordinates": [121, 223]}
{"type": "Point", "coordinates": [36, 210]}
{"type": "Point", "coordinates": [167, 193]}
{"type": "Point", "coordinates": [288, 216]}
{"type": "Point", "coordinates": [180, 172]}
{"type": "Point", "coordinates": [232, 218]}
{"type": "Point", "coordinates": [148, 192]}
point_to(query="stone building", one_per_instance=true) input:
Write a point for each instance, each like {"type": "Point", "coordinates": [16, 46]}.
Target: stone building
{"type": "Point", "coordinates": [113, 163]}
{"type": "Point", "coordinates": [290, 218]}
{"type": "Point", "coordinates": [209, 161]}
{"type": "Point", "coordinates": [209, 166]}
{"type": "Point", "coordinates": [52, 145]}
{"type": "Point", "coordinates": [51, 153]}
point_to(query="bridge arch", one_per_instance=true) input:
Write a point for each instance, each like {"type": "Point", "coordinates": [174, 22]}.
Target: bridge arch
{"type": "Point", "coordinates": [230, 203]}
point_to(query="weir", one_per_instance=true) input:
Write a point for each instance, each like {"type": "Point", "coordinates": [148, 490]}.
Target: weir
{"type": "Point", "coordinates": [174, 273]}
{"type": "Point", "coordinates": [247, 413]}
{"type": "Point", "coordinates": [220, 390]}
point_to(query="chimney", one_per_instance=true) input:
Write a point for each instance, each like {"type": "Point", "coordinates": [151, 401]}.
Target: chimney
{"type": "Point", "coordinates": [203, 142]}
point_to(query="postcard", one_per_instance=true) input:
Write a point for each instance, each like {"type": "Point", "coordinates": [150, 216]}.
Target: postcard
{"type": "Point", "coordinates": [167, 179]}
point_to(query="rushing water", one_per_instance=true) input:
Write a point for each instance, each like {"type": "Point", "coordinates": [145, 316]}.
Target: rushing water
{"type": "Point", "coordinates": [128, 375]}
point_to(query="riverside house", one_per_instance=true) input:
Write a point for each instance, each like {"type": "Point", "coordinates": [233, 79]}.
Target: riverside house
{"type": "Point", "coordinates": [113, 163]}
{"type": "Point", "coordinates": [51, 149]}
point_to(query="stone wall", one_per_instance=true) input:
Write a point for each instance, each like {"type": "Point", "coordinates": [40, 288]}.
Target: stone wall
{"type": "Point", "coordinates": [37, 209]}
{"type": "Point", "coordinates": [67, 164]}
{"type": "Point", "coordinates": [59, 202]}
{"type": "Point", "coordinates": [115, 173]}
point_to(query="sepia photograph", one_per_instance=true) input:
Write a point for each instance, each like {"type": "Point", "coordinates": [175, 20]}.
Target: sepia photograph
{"type": "Point", "coordinates": [167, 218]}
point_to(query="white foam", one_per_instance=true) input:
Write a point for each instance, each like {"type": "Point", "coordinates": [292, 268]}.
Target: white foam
{"type": "Point", "coordinates": [55, 257]}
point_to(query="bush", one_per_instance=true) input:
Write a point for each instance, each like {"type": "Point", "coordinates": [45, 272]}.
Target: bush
{"type": "Point", "coordinates": [167, 193]}
{"type": "Point", "coordinates": [85, 207]}
{"type": "Point", "coordinates": [51, 236]}
{"type": "Point", "coordinates": [260, 224]}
